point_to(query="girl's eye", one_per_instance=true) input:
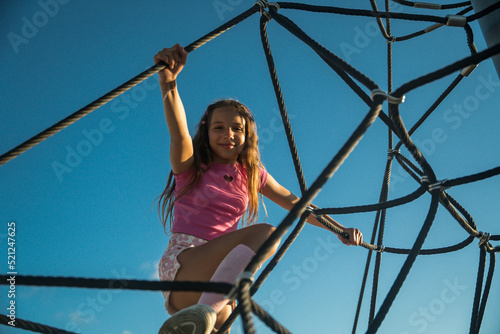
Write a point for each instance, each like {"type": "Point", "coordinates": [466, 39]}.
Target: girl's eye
{"type": "Point", "coordinates": [238, 129]}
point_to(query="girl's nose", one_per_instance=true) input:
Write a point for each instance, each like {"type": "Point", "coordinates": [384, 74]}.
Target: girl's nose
{"type": "Point", "coordinates": [229, 133]}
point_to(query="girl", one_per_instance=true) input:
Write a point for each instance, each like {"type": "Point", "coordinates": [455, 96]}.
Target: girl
{"type": "Point", "coordinates": [216, 179]}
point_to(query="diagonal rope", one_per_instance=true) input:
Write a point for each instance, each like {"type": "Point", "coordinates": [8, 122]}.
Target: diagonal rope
{"type": "Point", "coordinates": [118, 90]}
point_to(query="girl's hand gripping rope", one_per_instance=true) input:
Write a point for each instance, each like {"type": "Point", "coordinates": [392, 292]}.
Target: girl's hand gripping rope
{"type": "Point", "coordinates": [175, 58]}
{"type": "Point", "coordinates": [355, 237]}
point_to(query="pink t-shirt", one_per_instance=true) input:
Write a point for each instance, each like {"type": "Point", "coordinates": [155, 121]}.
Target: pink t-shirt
{"type": "Point", "coordinates": [216, 205]}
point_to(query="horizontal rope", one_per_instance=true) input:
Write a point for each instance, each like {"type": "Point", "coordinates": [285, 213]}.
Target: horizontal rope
{"type": "Point", "coordinates": [118, 284]}
{"type": "Point", "coordinates": [428, 5]}
{"type": "Point", "coordinates": [362, 12]}
{"type": "Point", "coordinates": [374, 207]}
{"type": "Point", "coordinates": [32, 326]}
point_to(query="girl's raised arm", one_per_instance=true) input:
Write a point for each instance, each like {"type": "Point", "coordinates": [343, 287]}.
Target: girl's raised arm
{"type": "Point", "coordinates": [181, 145]}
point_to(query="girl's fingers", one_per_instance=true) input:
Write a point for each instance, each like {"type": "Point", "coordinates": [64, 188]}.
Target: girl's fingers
{"type": "Point", "coordinates": [170, 61]}
{"type": "Point", "coordinates": [355, 237]}
{"type": "Point", "coordinates": [183, 55]}
{"type": "Point", "coordinates": [175, 58]}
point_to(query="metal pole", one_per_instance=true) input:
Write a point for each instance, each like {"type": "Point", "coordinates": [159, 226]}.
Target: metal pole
{"type": "Point", "coordinates": [490, 25]}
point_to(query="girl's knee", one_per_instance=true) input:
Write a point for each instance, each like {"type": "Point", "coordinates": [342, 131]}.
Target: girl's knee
{"type": "Point", "coordinates": [265, 229]}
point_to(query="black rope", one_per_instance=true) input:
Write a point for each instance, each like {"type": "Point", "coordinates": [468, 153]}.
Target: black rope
{"type": "Point", "coordinates": [274, 325]}
{"type": "Point", "coordinates": [463, 218]}
{"type": "Point", "coordinates": [486, 292]}
{"type": "Point", "coordinates": [362, 12]}
{"type": "Point", "coordinates": [380, 222]}
{"type": "Point", "coordinates": [281, 104]}
{"type": "Point", "coordinates": [384, 308]}
{"type": "Point", "coordinates": [438, 74]}
{"type": "Point", "coordinates": [484, 12]}
{"type": "Point", "coordinates": [118, 90]}
{"type": "Point", "coordinates": [428, 29]}
{"type": "Point", "coordinates": [433, 107]}
{"type": "Point", "coordinates": [405, 138]}
{"type": "Point", "coordinates": [322, 51]}
{"type": "Point", "coordinates": [333, 62]}
{"type": "Point", "coordinates": [477, 294]}
{"type": "Point", "coordinates": [433, 251]}
{"type": "Point", "coordinates": [365, 275]}
{"type": "Point", "coordinates": [385, 33]}
{"type": "Point", "coordinates": [312, 192]}
{"type": "Point", "coordinates": [118, 284]}
{"type": "Point", "coordinates": [427, 5]}
{"type": "Point", "coordinates": [246, 304]}
{"type": "Point", "coordinates": [32, 326]}
{"type": "Point", "coordinates": [268, 269]}
{"type": "Point", "coordinates": [472, 178]}
{"type": "Point", "coordinates": [375, 207]}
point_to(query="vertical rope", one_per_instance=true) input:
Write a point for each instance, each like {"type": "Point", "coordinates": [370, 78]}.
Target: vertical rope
{"type": "Point", "coordinates": [398, 283]}
{"type": "Point", "coordinates": [486, 292]}
{"type": "Point", "coordinates": [477, 294]}
{"type": "Point", "coordinates": [281, 103]}
{"type": "Point", "coordinates": [246, 314]}
{"type": "Point", "coordinates": [387, 176]}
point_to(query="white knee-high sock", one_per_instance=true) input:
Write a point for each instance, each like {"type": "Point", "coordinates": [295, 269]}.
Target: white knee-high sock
{"type": "Point", "coordinates": [228, 270]}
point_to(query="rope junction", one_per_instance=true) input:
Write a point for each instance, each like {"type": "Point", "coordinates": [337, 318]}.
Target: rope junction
{"type": "Point", "coordinates": [422, 172]}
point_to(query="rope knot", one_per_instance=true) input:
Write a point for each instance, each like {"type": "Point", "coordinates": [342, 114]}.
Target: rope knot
{"type": "Point", "coordinates": [275, 5]}
{"type": "Point", "coordinates": [392, 153]}
{"type": "Point", "coordinates": [262, 5]}
{"type": "Point", "coordinates": [312, 211]}
{"type": "Point", "coordinates": [440, 185]}
{"type": "Point", "coordinates": [391, 99]}
{"type": "Point", "coordinates": [456, 20]}
{"type": "Point", "coordinates": [244, 276]}
{"type": "Point", "coordinates": [468, 70]}
{"type": "Point", "coordinates": [484, 238]}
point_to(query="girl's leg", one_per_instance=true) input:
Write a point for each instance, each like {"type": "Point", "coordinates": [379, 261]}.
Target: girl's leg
{"type": "Point", "coordinates": [200, 263]}
{"type": "Point", "coordinates": [227, 271]}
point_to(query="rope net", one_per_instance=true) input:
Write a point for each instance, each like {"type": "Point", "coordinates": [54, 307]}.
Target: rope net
{"type": "Point", "coordinates": [420, 170]}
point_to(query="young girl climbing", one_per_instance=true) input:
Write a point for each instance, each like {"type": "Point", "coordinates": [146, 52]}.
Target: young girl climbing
{"type": "Point", "coordinates": [216, 180]}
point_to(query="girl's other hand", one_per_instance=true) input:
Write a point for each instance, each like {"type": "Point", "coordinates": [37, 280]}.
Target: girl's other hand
{"type": "Point", "coordinates": [355, 237]}
{"type": "Point", "coordinates": [175, 58]}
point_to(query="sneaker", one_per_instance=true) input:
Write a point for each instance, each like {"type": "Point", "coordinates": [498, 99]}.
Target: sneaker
{"type": "Point", "coordinates": [196, 319]}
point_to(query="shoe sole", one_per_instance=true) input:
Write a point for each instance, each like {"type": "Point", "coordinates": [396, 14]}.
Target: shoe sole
{"type": "Point", "coordinates": [190, 321]}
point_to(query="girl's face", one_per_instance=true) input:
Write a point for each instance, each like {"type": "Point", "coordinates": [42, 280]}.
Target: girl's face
{"type": "Point", "coordinates": [226, 135]}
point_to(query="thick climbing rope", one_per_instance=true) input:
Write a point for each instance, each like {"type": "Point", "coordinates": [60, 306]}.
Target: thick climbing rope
{"type": "Point", "coordinates": [33, 326]}
{"type": "Point", "coordinates": [119, 90]}
{"type": "Point", "coordinates": [244, 288]}
{"type": "Point", "coordinates": [122, 284]}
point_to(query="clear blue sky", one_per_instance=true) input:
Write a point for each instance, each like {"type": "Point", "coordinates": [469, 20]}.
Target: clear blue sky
{"type": "Point", "coordinates": [93, 217]}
